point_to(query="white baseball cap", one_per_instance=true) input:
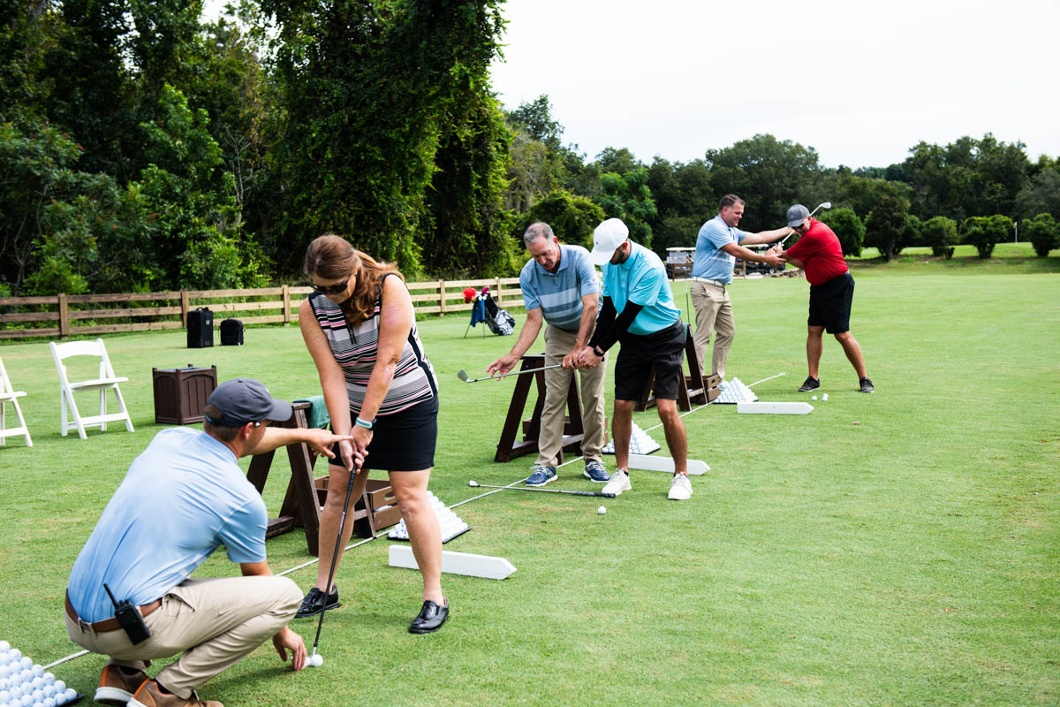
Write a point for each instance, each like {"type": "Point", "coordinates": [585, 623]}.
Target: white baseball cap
{"type": "Point", "coordinates": [607, 237]}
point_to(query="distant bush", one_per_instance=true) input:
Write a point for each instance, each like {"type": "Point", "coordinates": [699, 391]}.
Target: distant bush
{"type": "Point", "coordinates": [940, 233]}
{"type": "Point", "coordinates": [848, 228]}
{"type": "Point", "coordinates": [985, 232]}
{"type": "Point", "coordinates": [1043, 233]}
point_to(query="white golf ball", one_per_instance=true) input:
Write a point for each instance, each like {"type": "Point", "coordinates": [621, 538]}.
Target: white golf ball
{"type": "Point", "coordinates": [316, 660]}
{"type": "Point", "coordinates": [824, 397]}
{"type": "Point", "coordinates": [814, 397]}
{"type": "Point", "coordinates": [601, 510]}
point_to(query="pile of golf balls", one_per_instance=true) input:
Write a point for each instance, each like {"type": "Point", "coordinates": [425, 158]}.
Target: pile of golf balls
{"type": "Point", "coordinates": [23, 684]}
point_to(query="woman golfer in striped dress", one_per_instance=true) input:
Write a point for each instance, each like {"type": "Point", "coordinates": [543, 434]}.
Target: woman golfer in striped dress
{"type": "Point", "coordinates": [360, 328]}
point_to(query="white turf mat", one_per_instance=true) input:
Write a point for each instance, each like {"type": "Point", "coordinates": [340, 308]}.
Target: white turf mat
{"type": "Point", "coordinates": [639, 443]}
{"type": "Point", "coordinates": [448, 520]}
{"type": "Point", "coordinates": [775, 408]}
{"type": "Point", "coordinates": [463, 563]}
{"type": "Point", "coordinates": [642, 461]}
{"type": "Point", "coordinates": [735, 392]}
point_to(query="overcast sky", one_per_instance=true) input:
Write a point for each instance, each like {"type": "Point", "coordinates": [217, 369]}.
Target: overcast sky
{"type": "Point", "coordinates": [861, 83]}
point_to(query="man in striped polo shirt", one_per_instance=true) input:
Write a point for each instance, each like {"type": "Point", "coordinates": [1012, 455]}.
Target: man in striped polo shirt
{"type": "Point", "coordinates": [560, 289]}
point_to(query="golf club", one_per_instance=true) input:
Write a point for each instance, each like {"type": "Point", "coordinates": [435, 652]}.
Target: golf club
{"type": "Point", "coordinates": [462, 374]}
{"type": "Point", "coordinates": [315, 660]}
{"type": "Point", "coordinates": [475, 484]}
{"type": "Point", "coordinates": [823, 205]}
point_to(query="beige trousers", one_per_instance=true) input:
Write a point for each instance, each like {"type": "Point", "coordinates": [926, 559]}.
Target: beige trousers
{"type": "Point", "coordinates": [558, 344]}
{"type": "Point", "coordinates": [214, 622]}
{"type": "Point", "coordinates": [713, 313]}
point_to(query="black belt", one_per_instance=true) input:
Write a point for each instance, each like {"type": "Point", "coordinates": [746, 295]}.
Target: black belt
{"type": "Point", "coordinates": [665, 333]}
{"type": "Point", "coordinates": [107, 625]}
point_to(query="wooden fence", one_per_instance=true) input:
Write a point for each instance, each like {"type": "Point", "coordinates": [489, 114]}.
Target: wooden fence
{"type": "Point", "coordinates": [61, 316]}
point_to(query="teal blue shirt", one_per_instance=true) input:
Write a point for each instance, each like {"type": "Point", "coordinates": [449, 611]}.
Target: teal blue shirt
{"type": "Point", "coordinates": [181, 499]}
{"type": "Point", "coordinates": [642, 280]}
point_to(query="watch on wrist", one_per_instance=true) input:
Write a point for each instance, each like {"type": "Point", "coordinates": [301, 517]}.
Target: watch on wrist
{"type": "Point", "coordinates": [366, 424]}
{"type": "Point", "coordinates": [598, 351]}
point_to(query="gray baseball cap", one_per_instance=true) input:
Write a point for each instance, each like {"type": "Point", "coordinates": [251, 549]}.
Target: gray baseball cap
{"type": "Point", "coordinates": [244, 400]}
{"type": "Point", "coordinates": [796, 215]}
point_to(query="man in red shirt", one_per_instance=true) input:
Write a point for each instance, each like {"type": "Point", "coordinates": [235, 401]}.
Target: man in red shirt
{"type": "Point", "coordinates": [820, 255]}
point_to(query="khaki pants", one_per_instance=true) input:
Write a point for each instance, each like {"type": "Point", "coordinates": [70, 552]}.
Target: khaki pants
{"type": "Point", "coordinates": [558, 344]}
{"type": "Point", "coordinates": [713, 313]}
{"type": "Point", "coordinates": [214, 622]}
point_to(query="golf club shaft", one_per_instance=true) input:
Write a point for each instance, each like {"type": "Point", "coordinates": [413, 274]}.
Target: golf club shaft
{"type": "Point", "coordinates": [537, 490]}
{"type": "Point", "coordinates": [516, 373]}
{"type": "Point", "coordinates": [335, 556]}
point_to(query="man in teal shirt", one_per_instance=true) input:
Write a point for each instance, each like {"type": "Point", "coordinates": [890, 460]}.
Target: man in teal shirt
{"type": "Point", "coordinates": [639, 312]}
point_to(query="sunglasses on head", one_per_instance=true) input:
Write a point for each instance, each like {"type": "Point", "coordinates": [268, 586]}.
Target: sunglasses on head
{"type": "Point", "coordinates": [331, 289]}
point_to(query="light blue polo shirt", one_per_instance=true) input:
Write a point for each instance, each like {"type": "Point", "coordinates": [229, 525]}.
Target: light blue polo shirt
{"type": "Point", "coordinates": [181, 499]}
{"type": "Point", "coordinates": [711, 261]}
{"type": "Point", "coordinates": [642, 280]}
{"type": "Point", "coordinates": [559, 294]}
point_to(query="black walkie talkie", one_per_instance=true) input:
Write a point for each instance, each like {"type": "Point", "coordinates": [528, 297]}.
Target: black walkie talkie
{"type": "Point", "coordinates": [129, 619]}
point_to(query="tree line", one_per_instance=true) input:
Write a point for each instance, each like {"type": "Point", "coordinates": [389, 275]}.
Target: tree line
{"type": "Point", "coordinates": [145, 148]}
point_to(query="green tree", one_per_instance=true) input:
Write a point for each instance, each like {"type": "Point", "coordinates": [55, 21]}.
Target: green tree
{"type": "Point", "coordinates": [368, 87]}
{"type": "Point", "coordinates": [769, 175]}
{"type": "Point", "coordinates": [1041, 195]}
{"type": "Point", "coordinates": [571, 217]}
{"type": "Point", "coordinates": [985, 232]}
{"type": "Point", "coordinates": [885, 227]}
{"type": "Point", "coordinates": [629, 198]}
{"type": "Point", "coordinates": [848, 228]}
{"type": "Point", "coordinates": [1044, 234]}
{"type": "Point", "coordinates": [941, 234]}
{"type": "Point", "coordinates": [684, 201]}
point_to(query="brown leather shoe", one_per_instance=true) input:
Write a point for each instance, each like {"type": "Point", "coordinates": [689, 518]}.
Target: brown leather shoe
{"type": "Point", "coordinates": [149, 695]}
{"type": "Point", "coordinates": [116, 687]}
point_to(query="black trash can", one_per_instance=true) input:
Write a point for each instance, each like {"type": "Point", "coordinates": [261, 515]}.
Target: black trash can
{"type": "Point", "coordinates": [200, 328]}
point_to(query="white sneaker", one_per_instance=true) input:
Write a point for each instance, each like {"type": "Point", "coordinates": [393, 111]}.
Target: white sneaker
{"type": "Point", "coordinates": [619, 482]}
{"type": "Point", "coordinates": [680, 488]}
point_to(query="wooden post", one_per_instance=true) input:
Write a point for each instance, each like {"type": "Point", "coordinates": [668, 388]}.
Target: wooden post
{"type": "Point", "coordinates": [185, 306]}
{"type": "Point", "coordinates": [285, 297]}
{"type": "Point", "coordinates": [441, 296]}
{"type": "Point", "coordinates": [64, 316]}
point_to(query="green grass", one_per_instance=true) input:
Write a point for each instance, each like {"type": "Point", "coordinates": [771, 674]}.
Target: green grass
{"type": "Point", "coordinates": [890, 549]}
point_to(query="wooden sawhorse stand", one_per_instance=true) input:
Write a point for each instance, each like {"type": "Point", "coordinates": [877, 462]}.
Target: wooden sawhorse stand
{"type": "Point", "coordinates": [301, 502]}
{"type": "Point", "coordinates": [693, 388]}
{"type": "Point", "coordinates": [507, 447]}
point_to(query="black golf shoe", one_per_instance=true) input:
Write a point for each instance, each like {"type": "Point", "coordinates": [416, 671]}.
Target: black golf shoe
{"type": "Point", "coordinates": [317, 601]}
{"type": "Point", "coordinates": [811, 383]}
{"type": "Point", "coordinates": [430, 619]}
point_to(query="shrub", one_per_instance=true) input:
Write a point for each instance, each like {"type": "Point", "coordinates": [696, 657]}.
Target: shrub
{"type": "Point", "coordinates": [941, 234]}
{"type": "Point", "coordinates": [985, 232]}
{"type": "Point", "coordinates": [1043, 233]}
{"type": "Point", "coordinates": [848, 228]}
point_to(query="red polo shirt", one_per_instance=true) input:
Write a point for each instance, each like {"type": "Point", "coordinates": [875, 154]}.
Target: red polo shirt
{"type": "Point", "coordinates": [820, 253]}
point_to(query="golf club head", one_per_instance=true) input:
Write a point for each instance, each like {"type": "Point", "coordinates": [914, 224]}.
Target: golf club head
{"type": "Point", "coordinates": [462, 375]}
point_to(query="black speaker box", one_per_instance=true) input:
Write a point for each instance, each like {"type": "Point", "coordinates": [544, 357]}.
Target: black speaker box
{"type": "Point", "coordinates": [231, 332]}
{"type": "Point", "coordinates": [200, 328]}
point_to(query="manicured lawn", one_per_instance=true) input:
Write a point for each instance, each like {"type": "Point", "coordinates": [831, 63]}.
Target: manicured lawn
{"type": "Point", "coordinates": [900, 548]}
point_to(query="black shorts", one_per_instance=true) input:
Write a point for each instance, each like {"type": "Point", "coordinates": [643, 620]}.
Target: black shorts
{"type": "Point", "coordinates": [665, 350]}
{"type": "Point", "coordinates": [830, 304]}
{"type": "Point", "coordinates": [404, 441]}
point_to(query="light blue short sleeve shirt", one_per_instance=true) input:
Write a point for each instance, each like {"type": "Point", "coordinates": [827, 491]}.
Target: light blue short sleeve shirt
{"type": "Point", "coordinates": [559, 294]}
{"type": "Point", "coordinates": [181, 499]}
{"type": "Point", "coordinates": [642, 280]}
{"type": "Point", "coordinates": [711, 261]}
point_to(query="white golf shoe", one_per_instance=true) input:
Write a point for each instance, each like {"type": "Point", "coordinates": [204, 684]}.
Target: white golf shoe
{"type": "Point", "coordinates": [680, 488]}
{"type": "Point", "coordinates": [619, 482]}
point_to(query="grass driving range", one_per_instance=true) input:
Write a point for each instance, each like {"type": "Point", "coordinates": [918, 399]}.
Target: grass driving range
{"type": "Point", "coordinates": [900, 548]}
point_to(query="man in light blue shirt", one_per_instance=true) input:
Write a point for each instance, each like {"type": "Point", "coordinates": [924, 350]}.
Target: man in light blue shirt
{"type": "Point", "coordinates": [181, 499]}
{"type": "Point", "coordinates": [560, 289]}
{"type": "Point", "coordinates": [718, 245]}
{"type": "Point", "coordinates": [639, 312]}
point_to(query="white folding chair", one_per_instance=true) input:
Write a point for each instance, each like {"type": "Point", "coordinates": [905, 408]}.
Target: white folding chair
{"type": "Point", "coordinates": [105, 381]}
{"type": "Point", "coordinates": [10, 396]}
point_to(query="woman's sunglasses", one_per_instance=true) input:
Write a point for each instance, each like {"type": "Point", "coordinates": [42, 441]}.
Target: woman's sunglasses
{"type": "Point", "coordinates": [331, 289]}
